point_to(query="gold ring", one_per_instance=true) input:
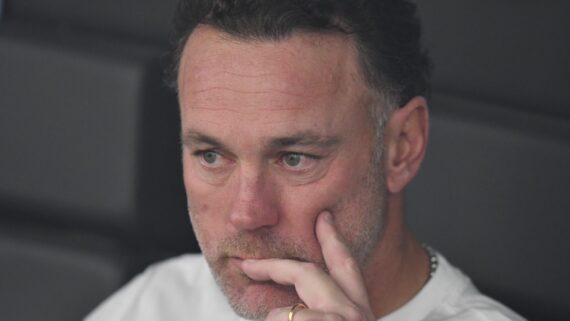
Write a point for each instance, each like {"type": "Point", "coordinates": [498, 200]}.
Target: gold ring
{"type": "Point", "coordinates": [294, 309]}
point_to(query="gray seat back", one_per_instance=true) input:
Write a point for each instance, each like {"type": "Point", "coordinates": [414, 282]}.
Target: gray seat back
{"type": "Point", "coordinates": [492, 194]}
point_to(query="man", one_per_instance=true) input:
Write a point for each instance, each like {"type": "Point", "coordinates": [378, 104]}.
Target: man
{"type": "Point", "coordinates": [302, 124]}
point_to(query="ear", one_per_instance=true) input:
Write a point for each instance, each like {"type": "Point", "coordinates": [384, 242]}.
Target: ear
{"type": "Point", "coordinates": [406, 136]}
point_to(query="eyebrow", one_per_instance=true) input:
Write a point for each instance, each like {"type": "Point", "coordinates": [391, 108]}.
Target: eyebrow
{"type": "Point", "coordinates": [192, 137]}
{"type": "Point", "coordinates": [304, 138]}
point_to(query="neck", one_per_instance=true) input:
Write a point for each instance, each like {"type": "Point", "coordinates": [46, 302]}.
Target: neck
{"type": "Point", "coordinates": [398, 267]}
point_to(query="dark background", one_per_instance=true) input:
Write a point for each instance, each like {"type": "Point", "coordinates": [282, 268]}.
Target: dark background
{"type": "Point", "coordinates": [90, 180]}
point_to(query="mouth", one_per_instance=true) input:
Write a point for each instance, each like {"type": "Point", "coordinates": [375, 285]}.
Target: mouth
{"type": "Point", "coordinates": [239, 258]}
{"type": "Point", "coordinates": [256, 287]}
{"type": "Point", "coordinates": [235, 261]}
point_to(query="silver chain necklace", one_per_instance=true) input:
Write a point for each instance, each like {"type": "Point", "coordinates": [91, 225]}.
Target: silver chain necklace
{"type": "Point", "coordinates": [433, 262]}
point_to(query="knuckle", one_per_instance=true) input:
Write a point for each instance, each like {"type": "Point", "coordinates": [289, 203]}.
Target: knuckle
{"type": "Point", "coordinates": [332, 317]}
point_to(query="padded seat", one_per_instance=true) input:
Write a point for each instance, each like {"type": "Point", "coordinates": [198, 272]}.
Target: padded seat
{"type": "Point", "coordinates": [514, 53]}
{"type": "Point", "coordinates": [86, 124]}
{"type": "Point", "coordinates": [90, 182]}
{"type": "Point", "coordinates": [492, 195]}
{"type": "Point", "coordinates": [54, 275]}
{"type": "Point", "coordinates": [90, 179]}
{"type": "Point", "coordinates": [135, 19]}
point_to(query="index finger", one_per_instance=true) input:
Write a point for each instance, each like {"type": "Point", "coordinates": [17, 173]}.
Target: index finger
{"type": "Point", "coordinates": [342, 266]}
{"type": "Point", "coordinates": [315, 287]}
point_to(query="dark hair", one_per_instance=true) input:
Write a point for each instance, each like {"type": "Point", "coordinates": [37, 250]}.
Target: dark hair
{"type": "Point", "coordinates": [386, 33]}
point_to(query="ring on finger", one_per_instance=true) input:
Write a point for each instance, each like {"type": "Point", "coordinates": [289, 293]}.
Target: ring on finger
{"type": "Point", "coordinates": [295, 309]}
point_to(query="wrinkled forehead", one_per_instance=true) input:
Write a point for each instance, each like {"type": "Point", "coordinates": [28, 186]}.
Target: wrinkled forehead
{"type": "Point", "coordinates": [303, 64]}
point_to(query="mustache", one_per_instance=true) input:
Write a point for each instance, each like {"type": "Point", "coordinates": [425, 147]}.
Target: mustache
{"type": "Point", "coordinates": [264, 245]}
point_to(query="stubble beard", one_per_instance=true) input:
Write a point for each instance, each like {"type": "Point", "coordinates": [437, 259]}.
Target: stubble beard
{"type": "Point", "coordinates": [265, 244]}
{"type": "Point", "coordinates": [233, 284]}
{"type": "Point", "coordinates": [372, 225]}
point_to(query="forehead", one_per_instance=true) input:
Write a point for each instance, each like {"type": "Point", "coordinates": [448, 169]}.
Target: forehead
{"type": "Point", "coordinates": [304, 64]}
{"type": "Point", "coordinates": [244, 91]}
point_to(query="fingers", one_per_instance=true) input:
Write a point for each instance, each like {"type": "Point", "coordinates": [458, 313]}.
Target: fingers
{"type": "Point", "coordinates": [342, 267]}
{"type": "Point", "coordinates": [282, 314]}
{"type": "Point", "coordinates": [338, 295]}
{"type": "Point", "coordinates": [312, 284]}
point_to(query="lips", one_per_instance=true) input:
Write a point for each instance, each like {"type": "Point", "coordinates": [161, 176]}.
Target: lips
{"type": "Point", "coordinates": [237, 259]}
{"type": "Point", "coordinates": [247, 257]}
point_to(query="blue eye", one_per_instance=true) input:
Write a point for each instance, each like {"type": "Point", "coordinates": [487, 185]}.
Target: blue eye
{"type": "Point", "coordinates": [292, 160]}
{"type": "Point", "coordinates": [299, 162]}
{"type": "Point", "coordinates": [210, 157]}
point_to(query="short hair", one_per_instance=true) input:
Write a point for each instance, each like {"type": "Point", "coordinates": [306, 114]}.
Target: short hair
{"type": "Point", "coordinates": [386, 33]}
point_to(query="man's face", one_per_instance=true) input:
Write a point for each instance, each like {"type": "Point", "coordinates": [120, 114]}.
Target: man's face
{"type": "Point", "coordinates": [274, 133]}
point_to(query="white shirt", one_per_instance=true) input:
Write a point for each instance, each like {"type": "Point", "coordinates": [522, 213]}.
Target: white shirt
{"type": "Point", "coordinates": [183, 288]}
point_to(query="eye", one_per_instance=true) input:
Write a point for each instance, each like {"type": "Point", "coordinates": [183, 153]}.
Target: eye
{"type": "Point", "coordinates": [210, 158]}
{"type": "Point", "coordinates": [298, 161]}
{"type": "Point", "coordinates": [292, 160]}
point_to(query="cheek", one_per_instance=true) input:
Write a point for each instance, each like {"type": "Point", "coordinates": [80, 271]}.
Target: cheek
{"type": "Point", "coordinates": [345, 192]}
{"type": "Point", "coordinates": [205, 202]}
{"type": "Point", "coordinates": [302, 204]}
{"type": "Point", "coordinates": [327, 193]}
{"type": "Point", "coordinates": [201, 192]}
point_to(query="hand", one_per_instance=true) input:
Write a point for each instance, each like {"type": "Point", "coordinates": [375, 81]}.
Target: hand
{"type": "Point", "coordinates": [338, 295]}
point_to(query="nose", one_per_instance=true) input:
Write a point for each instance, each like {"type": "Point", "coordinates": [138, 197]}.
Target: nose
{"type": "Point", "coordinates": [256, 203]}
